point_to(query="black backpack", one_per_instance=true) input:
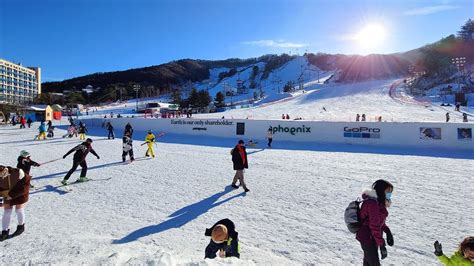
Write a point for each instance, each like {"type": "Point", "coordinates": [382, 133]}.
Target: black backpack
{"type": "Point", "coordinates": [352, 216]}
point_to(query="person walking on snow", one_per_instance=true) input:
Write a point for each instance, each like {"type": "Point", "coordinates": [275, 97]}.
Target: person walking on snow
{"type": "Point", "coordinates": [239, 159]}
{"type": "Point", "coordinates": [81, 152]}
{"type": "Point", "coordinates": [270, 136]}
{"type": "Point", "coordinates": [82, 131]}
{"type": "Point", "coordinates": [363, 118]}
{"type": "Point", "coordinates": [25, 163]}
{"type": "Point", "coordinates": [463, 257]}
{"type": "Point", "coordinates": [357, 118]}
{"type": "Point", "coordinates": [447, 117]}
{"type": "Point", "coordinates": [127, 147]}
{"type": "Point", "coordinates": [17, 197]}
{"type": "Point", "coordinates": [110, 128]}
{"type": "Point", "coordinates": [42, 131]}
{"type": "Point", "coordinates": [149, 141]}
{"type": "Point", "coordinates": [224, 239]}
{"type": "Point", "coordinates": [373, 214]}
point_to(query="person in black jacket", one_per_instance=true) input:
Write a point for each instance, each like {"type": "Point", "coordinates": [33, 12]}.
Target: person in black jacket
{"type": "Point", "coordinates": [239, 159]}
{"type": "Point", "coordinates": [127, 148]}
{"type": "Point", "coordinates": [29, 121]}
{"type": "Point", "coordinates": [80, 154]}
{"type": "Point", "coordinates": [25, 163]}
{"type": "Point", "coordinates": [224, 239]}
{"type": "Point", "coordinates": [128, 129]}
{"type": "Point", "coordinates": [110, 128]}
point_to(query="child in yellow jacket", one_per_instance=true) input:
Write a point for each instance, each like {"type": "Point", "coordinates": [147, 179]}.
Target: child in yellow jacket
{"type": "Point", "coordinates": [463, 257]}
{"type": "Point", "coordinates": [150, 140]}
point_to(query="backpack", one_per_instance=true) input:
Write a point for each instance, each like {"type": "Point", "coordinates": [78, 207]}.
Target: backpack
{"type": "Point", "coordinates": [352, 216]}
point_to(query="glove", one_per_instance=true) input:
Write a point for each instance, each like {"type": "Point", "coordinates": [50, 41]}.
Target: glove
{"type": "Point", "coordinates": [389, 237]}
{"type": "Point", "coordinates": [383, 251]}
{"type": "Point", "coordinates": [438, 249]}
{"type": "Point", "coordinates": [64, 157]}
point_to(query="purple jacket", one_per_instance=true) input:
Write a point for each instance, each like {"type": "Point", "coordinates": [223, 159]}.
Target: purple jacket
{"type": "Point", "coordinates": [372, 215]}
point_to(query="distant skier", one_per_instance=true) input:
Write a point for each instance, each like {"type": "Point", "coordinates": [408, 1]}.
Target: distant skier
{"type": "Point", "coordinates": [447, 117]}
{"type": "Point", "coordinates": [29, 121]}
{"type": "Point", "coordinates": [42, 131]}
{"type": "Point", "coordinates": [283, 116]}
{"type": "Point", "coordinates": [287, 116]}
{"type": "Point", "coordinates": [110, 129]}
{"type": "Point", "coordinates": [25, 163]}
{"type": "Point", "coordinates": [373, 214]}
{"type": "Point", "coordinates": [82, 131]}
{"type": "Point", "coordinates": [239, 159]}
{"type": "Point", "coordinates": [149, 141]}
{"type": "Point", "coordinates": [128, 129]}
{"type": "Point", "coordinates": [16, 197]}
{"type": "Point", "coordinates": [127, 148]}
{"type": "Point", "coordinates": [224, 239]}
{"type": "Point", "coordinates": [464, 117]}
{"type": "Point", "coordinates": [81, 151]}
{"type": "Point", "coordinates": [363, 118]}
{"type": "Point", "coordinates": [463, 256]}
{"type": "Point", "coordinates": [270, 136]}
{"type": "Point", "coordinates": [357, 118]}
{"type": "Point", "coordinates": [71, 131]}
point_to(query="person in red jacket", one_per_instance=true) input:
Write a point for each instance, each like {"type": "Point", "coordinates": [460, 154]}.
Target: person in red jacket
{"type": "Point", "coordinates": [17, 197]}
{"type": "Point", "coordinates": [373, 214]}
{"type": "Point", "coordinates": [239, 159]}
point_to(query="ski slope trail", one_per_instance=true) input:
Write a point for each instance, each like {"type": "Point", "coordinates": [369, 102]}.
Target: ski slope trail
{"type": "Point", "coordinates": [156, 211]}
{"type": "Point", "coordinates": [341, 102]}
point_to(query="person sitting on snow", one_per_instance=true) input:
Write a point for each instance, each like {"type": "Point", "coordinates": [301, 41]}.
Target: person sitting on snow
{"type": "Point", "coordinates": [464, 255]}
{"type": "Point", "coordinates": [224, 239]}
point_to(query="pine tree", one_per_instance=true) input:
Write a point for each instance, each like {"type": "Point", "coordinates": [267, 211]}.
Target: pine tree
{"type": "Point", "coordinates": [193, 98]}
{"type": "Point", "coordinates": [219, 100]}
{"type": "Point", "coordinates": [467, 31]}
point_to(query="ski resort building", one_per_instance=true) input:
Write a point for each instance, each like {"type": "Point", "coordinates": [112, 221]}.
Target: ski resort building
{"type": "Point", "coordinates": [18, 84]}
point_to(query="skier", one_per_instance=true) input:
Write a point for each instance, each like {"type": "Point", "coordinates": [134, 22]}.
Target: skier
{"type": "Point", "coordinates": [110, 128]}
{"type": "Point", "coordinates": [224, 239]}
{"type": "Point", "coordinates": [149, 141]}
{"type": "Point", "coordinates": [270, 136]}
{"type": "Point", "coordinates": [363, 117]}
{"type": "Point", "coordinates": [80, 154]}
{"type": "Point", "coordinates": [127, 147]}
{"type": "Point", "coordinates": [357, 118]}
{"type": "Point", "coordinates": [42, 131]}
{"type": "Point", "coordinates": [239, 159]}
{"type": "Point", "coordinates": [464, 255]}
{"type": "Point", "coordinates": [372, 216]}
{"type": "Point", "coordinates": [71, 131]}
{"type": "Point", "coordinates": [447, 117]}
{"type": "Point", "coordinates": [128, 129]}
{"type": "Point", "coordinates": [82, 131]}
{"type": "Point", "coordinates": [464, 117]}
{"type": "Point", "coordinates": [51, 132]}
{"type": "Point", "coordinates": [16, 197]}
{"type": "Point", "coordinates": [25, 163]}
{"type": "Point", "coordinates": [29, 121]}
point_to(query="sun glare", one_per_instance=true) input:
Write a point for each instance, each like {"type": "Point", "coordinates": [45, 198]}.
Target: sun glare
{"type": "Point", "coordinates": [371, 36]}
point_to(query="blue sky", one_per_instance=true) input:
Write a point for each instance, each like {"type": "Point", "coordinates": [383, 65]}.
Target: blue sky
{"type": "Point", "coordinates": [77, 37]}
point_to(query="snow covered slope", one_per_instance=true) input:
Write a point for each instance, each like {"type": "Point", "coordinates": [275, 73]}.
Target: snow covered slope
{"type": "Point", "coordinates": [155, 211]}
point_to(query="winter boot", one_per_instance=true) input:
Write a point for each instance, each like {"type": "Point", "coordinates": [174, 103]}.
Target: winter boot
{"type": "Point", "coordinates": [83, 179]}
{"type": "Point", "coordinates": [64, 182]}
{"type": "Point", "coordinates": [234, 186]}
{"type": "Point", "coordinates": [19, 230]}
{"type": "Point", "coordinates": [246, 190]}
{"type": "Point", "coordinates": [4, 235]}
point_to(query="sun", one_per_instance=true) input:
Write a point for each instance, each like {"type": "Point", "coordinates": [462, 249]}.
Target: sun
{"type": "Point", "coordinates": [371, 36]}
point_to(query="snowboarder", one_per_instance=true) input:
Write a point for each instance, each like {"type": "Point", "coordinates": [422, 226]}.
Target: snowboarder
{"type": "Point", "coordinates": [149, 141]}
{"type": "Point", "coordinates": [29, 121]}
{"type": "Point", "coordinates": [239, 159]}
{"type": "Point", "coordinates": [42, 131]}
{"type": "Point", "coordinates": [363, 117]}
{"type": "Point", "coordinates": [80, 155]}
{"type": "Point", "coordinates": [16, 197]}
{"type": "Point", "coordinates": [127, 147]}
{"type": "Point", "coordinates": [464, 255]}
{"type": "Point", "coordinates": [447, 117]}
{"type": "Point", "coordinates": [128, 129]}
{"type": "Point", "coordinates": [464, 117]}
{"type": "Point", "coordinates": [357, 118]}
{"type": "Point", "coordinates": [372, 216]}
{"type": "Point", "coordinates": [270, 136]}
{"type": "Point", "coordinates": [82, 131]}
{"type": "Point", "coordinates": [224, 239]}
{"type": "Point", "coordinates": [25, 163]}
{"type": "Point", "coordinates": [110, 129]}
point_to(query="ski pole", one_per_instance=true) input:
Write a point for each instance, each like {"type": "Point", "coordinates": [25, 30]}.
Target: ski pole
{"type": "Point", "coordinates": [52, 161]}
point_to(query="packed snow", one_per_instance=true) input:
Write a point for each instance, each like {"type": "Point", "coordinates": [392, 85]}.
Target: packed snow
{"type": "Point", "coordinates": [155, 211]}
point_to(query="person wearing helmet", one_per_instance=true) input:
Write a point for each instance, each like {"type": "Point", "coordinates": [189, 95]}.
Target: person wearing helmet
{"type": "Point", "coordinates": [25, 163]}
{"type": "Point", "coordinates": [81, 151]}
{"type": "Point", "coordinates": [150, 140]}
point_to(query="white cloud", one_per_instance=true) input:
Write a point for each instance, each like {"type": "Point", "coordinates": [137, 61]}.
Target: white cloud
{"type": "Point", "coordinates": [277, 44]}
{"type": "Point", "coordinates": [427, 10]}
